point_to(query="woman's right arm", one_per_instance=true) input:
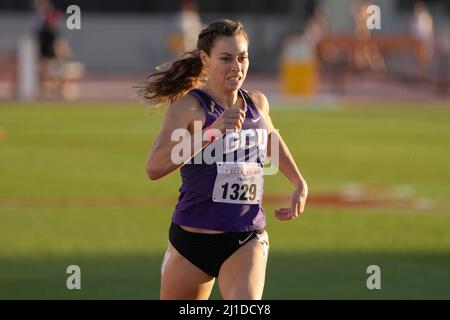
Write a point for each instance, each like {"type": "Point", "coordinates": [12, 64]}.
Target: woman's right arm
{"type": "Point", "coordinates": [179, 115]}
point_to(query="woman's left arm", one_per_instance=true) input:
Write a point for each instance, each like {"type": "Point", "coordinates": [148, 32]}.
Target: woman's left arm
{"type": "Point", "coordinates": [284, 162]}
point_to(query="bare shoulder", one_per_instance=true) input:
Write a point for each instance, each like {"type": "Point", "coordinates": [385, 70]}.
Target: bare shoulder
{"type": "Point", "coordinates": [186, 106]}
{"type": "Point", "coordinates": [260, 100]}
{"type": "Point", "coordinates": [183, 112]}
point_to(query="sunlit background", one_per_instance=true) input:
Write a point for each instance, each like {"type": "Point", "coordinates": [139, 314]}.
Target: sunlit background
{"type": "Point", "coordinates": [359, 91]}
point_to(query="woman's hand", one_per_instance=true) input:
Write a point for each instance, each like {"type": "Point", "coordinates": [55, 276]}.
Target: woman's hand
{"type": "Point", "coordinates": [298, 201]}
{"type": "Point", "coordinates": [231, 119]}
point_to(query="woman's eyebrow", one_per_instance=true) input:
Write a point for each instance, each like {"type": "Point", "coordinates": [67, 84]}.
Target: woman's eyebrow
{"type": "Point", "coordinates": [229, 54]}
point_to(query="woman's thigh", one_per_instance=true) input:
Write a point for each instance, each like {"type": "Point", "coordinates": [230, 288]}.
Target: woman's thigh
{"type": "Point", "coordinates": [242, 275]}
{"type": "Point", "coordinates": [180, 279]}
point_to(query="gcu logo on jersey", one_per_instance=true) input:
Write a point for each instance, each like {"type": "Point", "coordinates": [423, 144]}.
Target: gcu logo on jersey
{"type": "Point", "coordinates": [245, 139]}
{"type": "Point", "coordinates": [249, 145]}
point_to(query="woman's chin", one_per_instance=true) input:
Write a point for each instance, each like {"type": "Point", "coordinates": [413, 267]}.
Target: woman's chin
{"type": "Point", "coordinates": [232, 86]}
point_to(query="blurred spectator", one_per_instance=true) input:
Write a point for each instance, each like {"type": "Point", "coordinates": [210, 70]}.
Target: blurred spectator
{"type": "Point", "coordinates": [316, 29]}
{"type": "Point", "coordinates": [58, 74]}
{"type": "Point", "coordinates": [316, 26]}
{"type": "Point", "coordinates": [299, 68]}
{"type": "Point", "coordinates": [188, 28]}
{"type": "Point", "coordinates": [366, 54]}
{"type": "Point", "coordinates": [421, 28]}
{"type": "Point", "coordinates": [45, 23]}
{"type": "Point", "coordinates": [191, 24]}
{"type": "Point", "coordinates": [62, 73]}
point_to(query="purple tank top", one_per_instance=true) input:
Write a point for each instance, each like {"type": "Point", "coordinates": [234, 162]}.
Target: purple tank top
{"type": "Point", "coordinates": [195, 207]}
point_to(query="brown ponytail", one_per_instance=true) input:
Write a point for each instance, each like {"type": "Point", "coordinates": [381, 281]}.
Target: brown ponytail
{"type": "Point", "coordinates": [169, 85]}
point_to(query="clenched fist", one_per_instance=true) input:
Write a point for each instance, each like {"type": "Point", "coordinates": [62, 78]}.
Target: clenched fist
{"type": "Point", "coordinates": [231, 119]}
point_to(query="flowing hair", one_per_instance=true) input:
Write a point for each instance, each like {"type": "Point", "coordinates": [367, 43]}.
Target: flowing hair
{"type": "Point", "coordinates": [173, 80]}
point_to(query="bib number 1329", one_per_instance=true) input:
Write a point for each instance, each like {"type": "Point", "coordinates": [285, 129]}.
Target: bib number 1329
{"type": "Point", "coordinates": [242, 192]}
{"type": "Point", "coordinates": [238, 183]}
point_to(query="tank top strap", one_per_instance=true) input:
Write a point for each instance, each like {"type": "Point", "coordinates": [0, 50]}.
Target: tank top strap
{"type": "Point", "coordinates": [207, 103]}
{"type": "Point", "coordinates": [251, 106]}
{"type": "Point", "coordinates": [247, 98]}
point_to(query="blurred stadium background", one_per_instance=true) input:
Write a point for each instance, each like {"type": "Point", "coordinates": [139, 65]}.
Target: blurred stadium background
{"type": "Point", "coordinates": [366, 113]}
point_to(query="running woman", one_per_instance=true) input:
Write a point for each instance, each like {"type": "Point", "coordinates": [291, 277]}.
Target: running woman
{"type": "Point", "coordinates": [217, 228]}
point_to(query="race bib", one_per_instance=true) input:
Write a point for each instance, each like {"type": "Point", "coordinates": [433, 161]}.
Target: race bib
{"type": "Point", "coordinates": [238, 182]}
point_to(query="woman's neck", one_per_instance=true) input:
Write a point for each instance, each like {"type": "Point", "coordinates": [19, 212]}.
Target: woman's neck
{"type": "Point", "coordinates": [226, 99]}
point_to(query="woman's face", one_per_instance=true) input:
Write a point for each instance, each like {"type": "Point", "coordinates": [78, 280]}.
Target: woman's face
{"type": "Point", "coordinates": [227, 63]}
